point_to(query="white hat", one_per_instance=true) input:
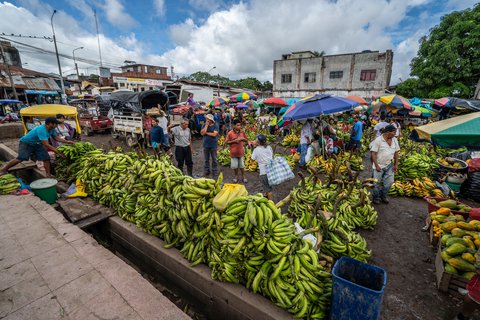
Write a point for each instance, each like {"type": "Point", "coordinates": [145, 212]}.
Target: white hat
{"type": "Point", "coordinates": [210, 117]}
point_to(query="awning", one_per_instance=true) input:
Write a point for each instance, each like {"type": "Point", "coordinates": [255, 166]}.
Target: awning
{"type": "Point", "coordinates": [44, 92]}
{"type": "Point", "coordinates": [461, 131]}
{"type": "Point", "coordinates": [41, 84]}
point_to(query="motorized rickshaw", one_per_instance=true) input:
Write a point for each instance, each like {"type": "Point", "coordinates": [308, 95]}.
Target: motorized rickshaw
{"type": "Point", "coordinates": [9, 110]}
{"type": "Point", "coordinates": [50, 110]}
{"type": "Point", "coordinates": [90, 118]}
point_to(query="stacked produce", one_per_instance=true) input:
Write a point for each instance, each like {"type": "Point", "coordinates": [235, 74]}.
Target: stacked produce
{"type": "Point", "coordinates": [336, 209]}
{"type": "Point", "coordinates": [460, 242]}
{"type": "Point", "coordinates": [67, 167]}
{"type": "Point", "coordinates": [418, 187]}
{"type": "Point", "coordinates": [291, 140]}
{"type": "Point", "coordinates": [415, 165]}
{"type": "Point", "coordinates": [250, 243]}
{"type": "Point", "coordinates": [8, 184]}
{"type": "Point", "coordinates": [224, 157]}
{"type": "Point", "coordinates": [222, 141]}
{"type": "Point", "coordinates": [320, 165]}
{"type": "Point", "coordinates": [250, 165]}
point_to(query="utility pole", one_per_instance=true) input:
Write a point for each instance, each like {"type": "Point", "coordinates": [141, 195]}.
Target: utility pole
{"type": "Point", "coordinates": [99, 48]}
{"type": "Point", "coordinates": [76, 67]}
{"type": "Point", "coordinates": [9, 73]}
{"type": "Point", "coordinates": [58, 59]}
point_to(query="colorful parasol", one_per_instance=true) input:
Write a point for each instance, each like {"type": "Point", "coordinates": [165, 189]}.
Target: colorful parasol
{"type": "Point", "coordinates": [241, 106]}
{"type": "Point", "coordinates": [218, 102]}
{"type": "Point", "coordinates": [396, 101]}
{"type": "Point", "coordinates": [275, 102]}
{"type": "Point", "coordinates": [358, 99]}
{"type": "Point", "coordinates": [243, 96]}
{"type": "Point", "coordinates": [319, 104]}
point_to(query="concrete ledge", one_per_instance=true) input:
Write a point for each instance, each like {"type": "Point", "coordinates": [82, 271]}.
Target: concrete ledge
{"type": "Point", "coordinates": [218, 300]}
{"type": "Point", "coordinates": [11, 130]}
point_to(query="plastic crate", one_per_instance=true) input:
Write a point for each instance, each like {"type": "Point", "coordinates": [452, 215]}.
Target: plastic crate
{"type": "Point", "coordinates": [357, 290]}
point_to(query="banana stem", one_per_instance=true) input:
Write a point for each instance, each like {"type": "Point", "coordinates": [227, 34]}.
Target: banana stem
{"type": "Point", "coordinates": [307, 231]}
{"type": "Point", "coordinates": [284, 201]}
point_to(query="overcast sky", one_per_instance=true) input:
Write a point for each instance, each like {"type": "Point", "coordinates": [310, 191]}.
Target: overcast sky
{"type": "Point", "coordinates": [239, 38]}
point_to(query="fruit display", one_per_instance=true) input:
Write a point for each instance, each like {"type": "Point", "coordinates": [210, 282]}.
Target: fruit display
{"type": "Point", "coordinates": [320, 165]}
{"type": "Point", "coordinates": [250, 243]}
{"type": "Point", "coordinates": [452, 163]}
{"type": "Point", "coordinates": [452, 205]}
{"type": "Point", "coordinates": [8, 184]}
{"type": "Point", "coordinates": [415, 165]}
{"type": "Point", "coordinates": [290, 160]}
{"type": "Point", "coordinates": [223, 157]}
{"type": "Point", "coordinates": [67, 167]}
{"type": "Point", "coordinates": [250, 165]}
{"type": "Point", "coordinates": [418, 187]}
{"type": "Point", "coordinates": [222, 141]}
{"type": "Point", "coordinates": [291, 140]}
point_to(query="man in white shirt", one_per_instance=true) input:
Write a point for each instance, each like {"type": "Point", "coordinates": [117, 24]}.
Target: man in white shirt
{"type": "Point", "coordinates": [380, 126]}
{"type": "Point", "coordinates": [384, 153]}
{"type": "Point", "coordinates": [305, 139]}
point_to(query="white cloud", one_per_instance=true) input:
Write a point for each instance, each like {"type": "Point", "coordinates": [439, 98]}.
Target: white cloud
{"type": "Point", "coordinates": [116, 14]}
{"type": "Point", "coordinates": [241, 40]}
{"type": "Point", "coordinates": [159, 7]}
{"type": "Point", "coordinates": [181, 33]}
{"type": "Point", "coordinates": [207, 5]}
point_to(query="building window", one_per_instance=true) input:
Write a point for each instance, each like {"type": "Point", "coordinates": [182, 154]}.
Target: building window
{"type": "Point", "coordinates": [368, 75]}
{"type": "Point", "coordinates": [287, 78]}
{"type": "Point", "coordinates": [146, 69]}
{"type": "Point", "coordinates": [158, 71]}
{"type": "Point", "coordinates": [336, 74]}
{"type": "Point", "coordinates": [310, 77]}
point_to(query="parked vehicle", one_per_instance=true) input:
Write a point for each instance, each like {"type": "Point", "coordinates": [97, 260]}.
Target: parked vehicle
{"type": "Point", "coordinates": [9, 110]}
{"type": "Point", "coordinates": [90, 117]}
{"type": "Point", "coordinates": [50, 110]}
{"type": "Point", "coordinates": [130, 118]}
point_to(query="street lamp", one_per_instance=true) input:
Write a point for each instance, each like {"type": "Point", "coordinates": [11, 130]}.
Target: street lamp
{"type": "Point", "coordinates": [214, 67]}
{"type": "Point", "coordinates": [76, 66]}
{"type": "Point", "coordinates": [58, 58]}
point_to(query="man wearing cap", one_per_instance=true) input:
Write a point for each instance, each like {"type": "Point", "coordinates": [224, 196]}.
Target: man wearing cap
{"type": "Point", "coordinates": [210, 134]}
{"type": "Point", "coordinates": [384, 153]}
{"type": "Point", "coordinates": [36, 143]}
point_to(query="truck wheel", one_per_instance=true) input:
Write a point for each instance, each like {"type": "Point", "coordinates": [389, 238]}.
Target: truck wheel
{"type": "Point", "coordinates": [131, 141]}
{"type": "Point", "coordinates": [87, 131]}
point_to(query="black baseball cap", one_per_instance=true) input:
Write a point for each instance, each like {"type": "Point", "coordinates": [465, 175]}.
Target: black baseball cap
{"type": "Point", "coordinates": [51, 120]}
{"type": "Point", "coordinates": [261, 138]}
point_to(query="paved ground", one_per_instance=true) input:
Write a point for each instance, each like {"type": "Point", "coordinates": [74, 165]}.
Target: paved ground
{"type": "Point", "coordinates": [51, 269]}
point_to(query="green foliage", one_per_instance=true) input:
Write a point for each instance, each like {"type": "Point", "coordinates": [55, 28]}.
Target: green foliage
{"type": "Point", "coordinates": [247, 83]}
{"type": "Point", "coordinates": [410, 88]}
{"type": "Point", "coordinates": [449, 57]}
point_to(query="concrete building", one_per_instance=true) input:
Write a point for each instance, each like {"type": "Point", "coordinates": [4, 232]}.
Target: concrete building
{"type": "Point", "coordinates": [304, 73]}
{"type": "Point", "coordinates": [12, 56]}
{"type": "Point", "coordinates": [139, 77]}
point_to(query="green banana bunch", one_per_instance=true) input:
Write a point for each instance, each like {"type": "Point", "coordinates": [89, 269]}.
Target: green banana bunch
{"type": "Point", "coordinates": [8, 184]}
{"type": "Point", "coordinates": [224, 157]}
{"type": "Point", "coordinates": [416, 165]}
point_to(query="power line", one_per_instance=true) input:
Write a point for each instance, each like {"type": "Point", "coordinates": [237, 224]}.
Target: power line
{"type": "Point", "coordinates": [23, 36]}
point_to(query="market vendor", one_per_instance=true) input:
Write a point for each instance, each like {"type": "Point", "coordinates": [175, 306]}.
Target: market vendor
{"type": "Point", "coordinates": [36, 143]}
{"type": "Point", "coordinates": [384, 153]}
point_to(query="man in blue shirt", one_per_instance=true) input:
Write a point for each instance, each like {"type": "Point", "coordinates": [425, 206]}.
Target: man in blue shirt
{"type": "Point", "coordinates": [36, 143]}
{"type": "Point", "coordinates": [157, 135]}
{"type": "Point", "coordinates": [356, 134]}
{"type": "Point", "coordinates": [210, 134]}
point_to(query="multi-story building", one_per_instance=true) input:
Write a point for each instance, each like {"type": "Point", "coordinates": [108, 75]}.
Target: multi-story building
{"type": "Point", "coordinates": [141, 77]}
{"type": "Point", "coordinates": [12, 56]}
{"type": "Point", "coordinates": [364, 74]}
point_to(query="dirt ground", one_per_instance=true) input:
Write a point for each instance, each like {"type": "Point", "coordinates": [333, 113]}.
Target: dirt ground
{"type": "Point", "coordinates": [398, 244]}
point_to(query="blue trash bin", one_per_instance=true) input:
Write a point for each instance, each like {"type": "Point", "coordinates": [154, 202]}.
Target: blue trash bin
{"type": "Point", "coordinates": [357, 290]}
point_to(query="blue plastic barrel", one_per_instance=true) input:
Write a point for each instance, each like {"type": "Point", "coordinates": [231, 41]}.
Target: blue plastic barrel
{"type": "Point", "coordinates": [357, 290]}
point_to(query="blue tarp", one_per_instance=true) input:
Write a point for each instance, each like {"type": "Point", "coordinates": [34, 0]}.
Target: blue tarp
{"type": "Point", "coordinates": [320, 104]}
{"type": "Point", "coordinates": [44, 92]}
{"type": "Point", "coordinates": [8, 101]}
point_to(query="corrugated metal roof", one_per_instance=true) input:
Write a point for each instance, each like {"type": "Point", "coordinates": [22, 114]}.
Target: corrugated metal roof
{"type": "Point", "coordinates": [41, 84]}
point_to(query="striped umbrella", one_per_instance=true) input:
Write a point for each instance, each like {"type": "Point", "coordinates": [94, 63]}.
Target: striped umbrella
{"type": "Point", "coordinates": [218, 102]}
{"type": "Point", "coordinates": [461, 131]}
{"type": "Point", "coordinates": [243, 96]}
{"type": "Point", "coordinates": [396, 101]}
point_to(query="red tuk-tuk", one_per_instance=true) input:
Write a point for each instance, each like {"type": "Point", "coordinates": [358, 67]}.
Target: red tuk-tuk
{"type": "Point", "coordinates": [91, 120]}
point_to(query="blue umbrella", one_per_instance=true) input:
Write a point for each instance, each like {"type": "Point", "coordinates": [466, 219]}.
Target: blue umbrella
{"type": "Point", "coordinates": [319, 104]}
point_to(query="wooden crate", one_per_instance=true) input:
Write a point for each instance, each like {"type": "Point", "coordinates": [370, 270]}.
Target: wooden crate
{"type": "Point", "coordinates": [447, 282]}
{"type": "Point", "coordinates": [430, 234]}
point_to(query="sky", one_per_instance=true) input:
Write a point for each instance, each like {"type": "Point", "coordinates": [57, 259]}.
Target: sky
{"type": "Point", "coordinates": [232, 38]}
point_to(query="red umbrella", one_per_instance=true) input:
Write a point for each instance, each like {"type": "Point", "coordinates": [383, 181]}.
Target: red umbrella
{"type": "Point", "coordinates": [275, 102]}
{"type": "Point", "coordinates": [358, 99]}
{"type": "Point", "coordinates": [443, 102]}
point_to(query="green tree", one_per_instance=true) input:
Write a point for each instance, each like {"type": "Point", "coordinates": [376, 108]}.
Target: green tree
{"type": "Point", "coordinates": [450, 54]}
{"type": "Point", "coordinates": [410, 88]}
{"type": "Point", "coordinates": [249, 83]}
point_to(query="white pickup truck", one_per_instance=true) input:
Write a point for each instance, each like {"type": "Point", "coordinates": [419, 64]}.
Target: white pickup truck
{"type": "Point", "coordinates": [129, 127]}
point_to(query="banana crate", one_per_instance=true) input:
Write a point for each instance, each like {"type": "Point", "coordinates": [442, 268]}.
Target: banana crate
{"type": "Point", "coordinates": [448, 282]}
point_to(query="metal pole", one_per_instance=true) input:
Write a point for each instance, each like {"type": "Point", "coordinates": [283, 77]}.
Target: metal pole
{"type": "Point", "coordinates": [58, 58]}
{"type": "Point", "coordinates": [76, 68]}
{"type": "Point", "coordinates": [9, 74]}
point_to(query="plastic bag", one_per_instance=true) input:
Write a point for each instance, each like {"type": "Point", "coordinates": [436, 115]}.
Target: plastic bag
{"type": "Point", "coordinates": [309, 155]}
{"type": "Point", "coordinates": [79, 190]}
{"type": "Point", "coordinates": [278, 171]}
{"type": "Point", "coordinates": [228, 193]}
{"type": "Point", "coordinates": [308, 237]}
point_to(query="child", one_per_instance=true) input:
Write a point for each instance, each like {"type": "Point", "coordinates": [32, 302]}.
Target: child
{"type": "Point", "coordinates": [263, 154]}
